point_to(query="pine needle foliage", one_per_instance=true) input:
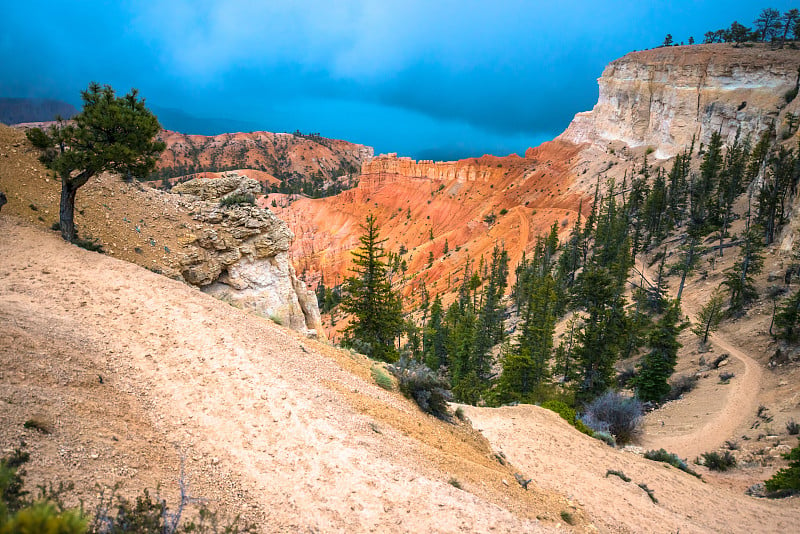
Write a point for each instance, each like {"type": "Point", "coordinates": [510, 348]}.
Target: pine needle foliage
{"type": "Point", "coordinates": [368, 296]}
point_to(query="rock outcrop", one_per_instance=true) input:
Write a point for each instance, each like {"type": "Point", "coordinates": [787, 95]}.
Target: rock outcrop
{"type": "Point", "coordinates": [386, 166]}
{"type": "Point", "coordinates": [239, 252]}
{"type": "Point", "coordinates": [664, 97]}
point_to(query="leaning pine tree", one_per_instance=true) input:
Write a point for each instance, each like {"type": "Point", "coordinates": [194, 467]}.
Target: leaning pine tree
{"type": "Point", "coordinates": [111, 133]}
{"type": "Point", "coordinates": [368, 296]}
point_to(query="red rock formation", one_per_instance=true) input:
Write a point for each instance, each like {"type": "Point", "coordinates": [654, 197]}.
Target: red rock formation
{"type": "Point", "coordinates": [470, 205]}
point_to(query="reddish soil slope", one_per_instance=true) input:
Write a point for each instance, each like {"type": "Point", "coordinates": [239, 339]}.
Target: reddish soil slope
{"type": "Point", "coordinates": [276, 154]}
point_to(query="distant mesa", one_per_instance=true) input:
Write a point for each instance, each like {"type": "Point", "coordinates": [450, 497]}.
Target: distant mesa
{"type": "Point", "coordinates": [18, 110]}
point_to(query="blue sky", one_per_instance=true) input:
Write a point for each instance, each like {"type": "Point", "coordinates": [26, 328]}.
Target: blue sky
{"type": "Point", "coordinates": [429, 79]}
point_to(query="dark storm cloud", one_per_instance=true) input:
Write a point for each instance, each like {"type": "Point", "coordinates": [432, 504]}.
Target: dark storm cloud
{"type": "Point", "coordinates": [416, 77]}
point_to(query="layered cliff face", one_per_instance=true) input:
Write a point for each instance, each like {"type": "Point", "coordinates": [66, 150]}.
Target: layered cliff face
{"type": "Point", "coordinates": [239, 253]}
{"type": "Point", "coordinates": [664, 97]}
{"type": "Point", "coordinates": [443, 214]}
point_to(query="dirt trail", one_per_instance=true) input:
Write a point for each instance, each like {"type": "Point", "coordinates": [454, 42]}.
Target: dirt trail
{"type": "Point", "coordinates": [709, 428]}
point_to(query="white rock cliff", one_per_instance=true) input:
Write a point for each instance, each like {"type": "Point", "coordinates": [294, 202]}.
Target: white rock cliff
{"type": "Point", "coordinates": [664, 97]}
{"type": "Point", "coordinates": [240, 254]}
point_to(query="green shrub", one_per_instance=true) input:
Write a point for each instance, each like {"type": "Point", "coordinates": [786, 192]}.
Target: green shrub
{"type": "Point", "coordinates": [238, 199]}
{"type": "Point", "coordinates": [787, 480]}
{"type": "Point", "coordinates": [670, 458]}
{"type": "Point", "coordinates": [567, 517]}
{"type": "Point", "coordinates": [681, 385]}
{"type": "Point", "coordinates": [719, 462]}
{"type": "Point", "coordinates": [381, 378]}
{"type": "Point", "coordinates": [725, 377]}
{"type": "Point", "coordinates": [614, 413]}
{"type": "Point", "coordinates": [792, 427]}
{"type": "Point", "coordinates": [114, 514]}
{"type": "Point", "coordinates": [417, 382]}
{"type": "Point", "coordinates": [568, 414]}
{"type": "Point", "coordinates": [605, 437]}
{"type": "Point", "coordinates": [43, 517]}
{"type": "Point", "coordinates": [12, 496]}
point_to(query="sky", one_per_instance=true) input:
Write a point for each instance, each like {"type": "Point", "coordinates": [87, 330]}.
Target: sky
{"type": "Point", "coordinates": [424, 78]}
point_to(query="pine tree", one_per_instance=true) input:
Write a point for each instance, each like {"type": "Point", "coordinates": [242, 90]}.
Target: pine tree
{"type": "Point", "coordinates": [490, 317]}
{"type": "Point", "coordinates": [678, 189]}
{"type": "Point", "coordinates": [739, 278]}
{"type": "Point", "coordinates": [599, 291]}
{"type": "Point", "coordinates": [781, 175]}
{"type": "Point", "coordinates": [655, 209]}
{"type": "Point", "coordinates": [601, 338]}
{"type": "Point", "coordinates": [659, 364]}
{"type": "Point", "coordinates": [705, 200]}
{"type": "Point", "coordinates": [376, 309]}
{"type": "Point", "coordinates": [110, 133]}
{"type": "Point", "coordinates": [709, 317]}
{"type": "Point", "coordinates": [526, 362]}
{"type": "Point", "coordinates": [788, 318]}
{"type": "Point", "coordinates": [731, 184]}
{"type": "Point", "coordinates": [435, 336]}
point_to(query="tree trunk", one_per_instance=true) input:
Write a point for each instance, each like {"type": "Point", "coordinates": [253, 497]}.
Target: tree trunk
{"type": "Point", "coordinates": [66, 212]}
{"type": "Point", "coordinates": [689, 259]}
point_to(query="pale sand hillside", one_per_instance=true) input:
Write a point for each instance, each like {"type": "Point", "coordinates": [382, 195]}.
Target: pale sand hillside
{"type": "Point", "coordinates": [131, 370]}
{"type": "Point", "coordinates": [561, 459]}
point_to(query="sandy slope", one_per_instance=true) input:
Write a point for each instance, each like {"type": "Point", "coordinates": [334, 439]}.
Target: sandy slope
{"type": "Point", "coordinates": [560, 458]}
{"type": "Point", "coordinates": [132, 370]}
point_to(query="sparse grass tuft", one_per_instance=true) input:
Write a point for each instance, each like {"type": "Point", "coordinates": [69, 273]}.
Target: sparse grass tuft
{"type": "Point", "coordinates": [670, 458]}
{"type": "Point", "coordinates": [650, 493]}
{"type": "Point", "coordinates": [381, 378]}
{"type": "Point", "coordinates": [455, 483]}
{"type": "Point", "coordinates": [719, 462]}
{"type": "Point", "coordinates": [567, 517]}
{"type": "Point", "coordinates": [619, 474]}
{"type": "Point", "coordinates": [34, 423]}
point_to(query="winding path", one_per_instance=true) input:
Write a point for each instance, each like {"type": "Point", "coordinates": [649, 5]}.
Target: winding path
{"type": "Point", "coordinates": [740, 402]}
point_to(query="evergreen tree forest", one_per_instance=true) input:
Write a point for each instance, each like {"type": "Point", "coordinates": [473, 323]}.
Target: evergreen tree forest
{"type": "Point", "coordinates": [599, 300]}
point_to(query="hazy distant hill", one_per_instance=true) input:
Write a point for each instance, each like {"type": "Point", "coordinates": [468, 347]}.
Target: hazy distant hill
{"type": "Point", "coordinates": [180, 121]}
{"type": "Point", "coordinates": [16, 110]}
